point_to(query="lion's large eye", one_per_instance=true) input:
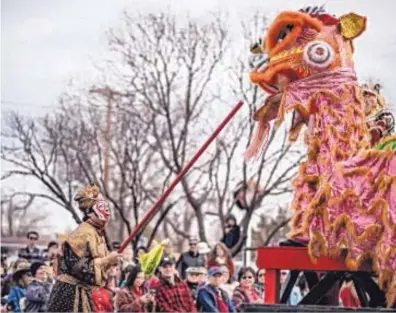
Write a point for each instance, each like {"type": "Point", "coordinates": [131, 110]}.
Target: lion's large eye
{"type": "Point", "coordinates": [284, 32]}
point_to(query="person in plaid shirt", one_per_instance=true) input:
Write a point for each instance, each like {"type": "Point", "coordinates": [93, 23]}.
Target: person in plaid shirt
{"type": "Point", "coordinates": [172, 294]}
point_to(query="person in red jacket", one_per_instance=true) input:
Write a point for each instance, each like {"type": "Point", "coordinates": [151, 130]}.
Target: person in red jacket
{"type": "Point", "coordinates": [172, 294]}
{"type": "Point", "coordinates": [102, 298]}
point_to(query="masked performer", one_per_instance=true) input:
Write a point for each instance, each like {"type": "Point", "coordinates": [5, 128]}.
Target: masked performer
{"type": "Point", "coordinates": [84, 258]}
{"type": "Point", "coordinates": [345, 192]}
{"type": "Point", "coordinates": [380, 119]}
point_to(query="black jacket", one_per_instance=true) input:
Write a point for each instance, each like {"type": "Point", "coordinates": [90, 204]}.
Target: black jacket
{"type": "Point", "coordinates": [188, 259]}
{"type": "Point", "coordinates": [232, 237]}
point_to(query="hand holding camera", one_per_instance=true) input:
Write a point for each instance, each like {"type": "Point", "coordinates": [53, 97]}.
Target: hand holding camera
{"type": "Point", "coordinates": [148, 298]}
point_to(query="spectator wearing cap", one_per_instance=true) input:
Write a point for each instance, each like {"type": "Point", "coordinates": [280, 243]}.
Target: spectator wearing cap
{"type": "Point", "coordinates": [8, 281]}
{"type": "Point", "coordinates": [38, 290]}
{"type": "Point", "coordinates": [211, 298]}
{"type": "Point", "coordinates": [193, 279]}
{"type": "Point", "coordinates": [31, 252]}
{"type": "Point", "coordinates": [246, 293]}
{"type": "Point", "coordinates": [172, 294]}
{"type": "Point", "coordinates": [204, 249]}
{"type": "Point", "coordinates": [191, 258]}
{"type": "Point", "coordinates": [21, 277]}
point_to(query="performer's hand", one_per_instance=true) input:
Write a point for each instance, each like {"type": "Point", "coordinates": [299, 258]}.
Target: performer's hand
{"type": "Point", "coordinates": [113, 258]}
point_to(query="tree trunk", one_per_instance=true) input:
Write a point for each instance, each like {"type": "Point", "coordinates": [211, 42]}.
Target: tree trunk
{"type": "Point", "coordinates": [201, 225]}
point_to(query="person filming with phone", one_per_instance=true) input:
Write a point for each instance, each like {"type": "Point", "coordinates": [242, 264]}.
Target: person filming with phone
{"type": "Point", "coordinates": [134, 297]}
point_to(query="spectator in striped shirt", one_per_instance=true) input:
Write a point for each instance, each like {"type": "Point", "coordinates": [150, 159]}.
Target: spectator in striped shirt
{"type": "Point", "coordinates": [31, 252]}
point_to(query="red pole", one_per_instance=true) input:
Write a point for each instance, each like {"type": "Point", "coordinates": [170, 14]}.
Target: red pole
{"type": "Point", "coordinates": [150, 213]}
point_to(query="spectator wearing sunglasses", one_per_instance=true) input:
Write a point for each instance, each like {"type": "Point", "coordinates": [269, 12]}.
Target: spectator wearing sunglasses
{"type": "Point", "coordinates": [191, 258]}
{"type": "Point", "coordinates": [31, 252]}
{"type": "Point", "coordinates": [246, 293]}
{"type": "Point", "coordinates": [22, 278]}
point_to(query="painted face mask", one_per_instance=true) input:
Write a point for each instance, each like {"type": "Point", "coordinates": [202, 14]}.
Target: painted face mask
{"type": "Point", "coordinates": [101, 209]}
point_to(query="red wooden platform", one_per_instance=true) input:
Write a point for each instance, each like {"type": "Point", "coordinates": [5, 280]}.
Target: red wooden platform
{"type": "Point", "coordinates": [274, 259]}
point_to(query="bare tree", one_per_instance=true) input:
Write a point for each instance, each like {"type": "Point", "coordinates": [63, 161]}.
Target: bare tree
{"type": "Point", "coordinates": [166, 74]}
{"type": "Point", "coordinates": [18, 214]}
{"type": "Point", "coordinates": [275, 167]}
{"type": "Point", "coordinates": [271, 229]}
{"type": "Point", "coordinates": [173, 65]}
{"type": "Point", "coordinates": [34, 150]}
{"type": "Point", "coordinates": [64, 150]}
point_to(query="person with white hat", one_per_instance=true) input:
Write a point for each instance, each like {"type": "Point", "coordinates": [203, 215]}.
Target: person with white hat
{"type": "Point", "coordinates": [192, 281]}
{"type": "Point", "coordinates": [203, 248]}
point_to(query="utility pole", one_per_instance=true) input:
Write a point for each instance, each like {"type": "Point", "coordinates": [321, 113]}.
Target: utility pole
{"type": "Point", "coordinates": [109, 94]}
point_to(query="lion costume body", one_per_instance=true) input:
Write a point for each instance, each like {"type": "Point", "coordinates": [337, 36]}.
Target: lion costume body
{"type": "Point", "coordinates": [345, 192]}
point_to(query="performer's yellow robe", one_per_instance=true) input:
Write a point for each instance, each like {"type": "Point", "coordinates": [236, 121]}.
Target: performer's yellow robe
{"type": "Point", "coordinates": [79, 271]}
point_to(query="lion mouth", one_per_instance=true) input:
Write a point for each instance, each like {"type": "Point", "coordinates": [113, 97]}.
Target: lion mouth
{"type": "Point", "coordinates": [275, 73]}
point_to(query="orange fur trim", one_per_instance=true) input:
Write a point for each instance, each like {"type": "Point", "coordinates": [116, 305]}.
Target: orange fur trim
{"type": "Point", "coordinates": [298, 19]}
{"type": "Point", "coordinates": [305, 110]}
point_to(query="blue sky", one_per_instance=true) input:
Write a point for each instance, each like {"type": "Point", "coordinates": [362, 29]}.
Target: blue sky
{"type": "Point", "coordinates": [46, 42]}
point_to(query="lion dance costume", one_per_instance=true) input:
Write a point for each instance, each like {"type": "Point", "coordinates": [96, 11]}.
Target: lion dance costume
{"type": "Point", "coordinates": [83, 263]}
{"type": "Point", "coordinates": [345, 192]}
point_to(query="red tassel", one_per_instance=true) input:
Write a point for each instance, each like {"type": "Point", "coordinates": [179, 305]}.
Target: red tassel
{"type": "Point", "coordinates": [259, 139]}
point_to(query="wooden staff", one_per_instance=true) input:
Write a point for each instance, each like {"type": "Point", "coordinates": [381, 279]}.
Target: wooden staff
{"type": "Point", "coordinates": [150, 213]}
